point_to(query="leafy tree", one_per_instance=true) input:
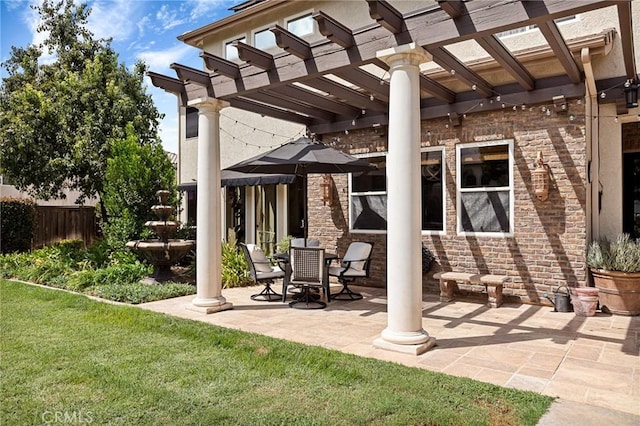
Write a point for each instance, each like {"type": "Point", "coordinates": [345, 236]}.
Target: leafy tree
{"type": "Point", "coordinates": [134, 173]}
{"type": "Point", "coordinates": [57, 119]}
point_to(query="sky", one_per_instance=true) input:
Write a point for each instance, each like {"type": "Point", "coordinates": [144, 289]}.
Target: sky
{"type": "Point", "coordinates": [144, 30]}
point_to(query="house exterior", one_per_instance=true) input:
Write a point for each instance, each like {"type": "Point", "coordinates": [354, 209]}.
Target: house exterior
{"type": "Point", "coordinates": [465, 107]}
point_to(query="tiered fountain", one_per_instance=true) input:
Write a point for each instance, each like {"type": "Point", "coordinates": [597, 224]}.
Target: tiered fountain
{"type": "Point", "coordinates": [163, 252]}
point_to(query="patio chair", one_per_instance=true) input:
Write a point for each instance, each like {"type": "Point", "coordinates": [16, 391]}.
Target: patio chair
{"type": "Point", "coordinates": [307, 272]}
{"type": "Point", "coordinates": [262, 271]}
{"type": "Point", "coordinates": [305, 242]}
{"type": "Point", "coordinates": [354, 265]}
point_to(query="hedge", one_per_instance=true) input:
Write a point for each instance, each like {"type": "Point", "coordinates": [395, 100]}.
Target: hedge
{"type": "Point", "coordinates": [17, 224]}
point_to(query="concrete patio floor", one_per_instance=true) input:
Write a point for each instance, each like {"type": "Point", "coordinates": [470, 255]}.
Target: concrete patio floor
{"type": "Point", "coordinates": [592, 361]}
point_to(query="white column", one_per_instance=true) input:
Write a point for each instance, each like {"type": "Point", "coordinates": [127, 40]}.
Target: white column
{"type": "Point", "coordinates": [404, 332]}
{"type": "Point", "coordinates": [208, 214]}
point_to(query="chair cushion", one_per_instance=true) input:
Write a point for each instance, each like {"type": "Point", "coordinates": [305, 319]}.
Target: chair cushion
{"type": "Point", "coordinates": [357, 251]}
{"type": "Point", "coordinates": [260, 261]}
{"type": "Point", "coordinates": [275, 273]}
{"type": "Point", "coordinates": [337, 270]}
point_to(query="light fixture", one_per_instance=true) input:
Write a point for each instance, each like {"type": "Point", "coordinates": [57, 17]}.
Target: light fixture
{"type": "Point", "coordinates": [327, 189]}
{"type": "Point", "coordinates": [631, 93]}
{"type": "Point", "coordinates": [540, 179]}
{"type": "Point", "coordinates": [559, 103]}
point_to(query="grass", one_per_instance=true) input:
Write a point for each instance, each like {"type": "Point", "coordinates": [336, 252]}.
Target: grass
{"type": "Point", "coordinates": [66, 354]}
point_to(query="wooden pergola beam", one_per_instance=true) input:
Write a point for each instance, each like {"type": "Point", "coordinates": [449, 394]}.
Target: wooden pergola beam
{"type": "Point", "coordinates": [333, 30]}
{"type": "Point", "coordinates": [276, 99]}
{"type": "Point", "coordinates": [258, 108]}
{"type": "Point", "coordinates": [551, 33]}
{"type": "Point", "coordinates": [169, 84]}
{"type": "Point", "coordinates": [221, 65]}
{"type": "Point", "coordinates": [437, 89]}
{"type": "Point", "coordinates": [454, 8]}
{"type": "Point", "coordinates": [496, 49]}
{"type": "Point", "coordinates": [366, 81]}
{"type": "Point", "coordinates": [351, 96]}
{"type": "Point", "coordinates": [192, 75]}
{"type": "Point", "coordinates": [430, 29]}
{"type": "Point", "coordinates": [314, 99]}
{"type": "Point", "coordinates": [450, 63]}
{"type": "Point", "coordinates": [254, 56]}
{"type": "Point", "coordinates": [626, 30]}
{"type": "Point", "coordinates": [386, 15]}
{"type": "Point", "coordinates": [291, 43]}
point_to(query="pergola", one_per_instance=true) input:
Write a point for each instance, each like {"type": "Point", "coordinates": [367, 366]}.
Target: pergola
{"type": "Point", "coordinates": [376, 76]}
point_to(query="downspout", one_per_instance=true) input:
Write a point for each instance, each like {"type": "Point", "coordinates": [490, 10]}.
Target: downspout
{"type": "Point", "coordinates": [592, 112]}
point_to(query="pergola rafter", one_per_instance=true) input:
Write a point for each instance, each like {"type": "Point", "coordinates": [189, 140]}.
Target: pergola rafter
{"type": "Point", "coordinates": [297, 85]}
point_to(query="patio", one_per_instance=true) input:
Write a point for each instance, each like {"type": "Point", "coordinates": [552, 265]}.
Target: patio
{"type": "Point", "coordinates": [589, 360]}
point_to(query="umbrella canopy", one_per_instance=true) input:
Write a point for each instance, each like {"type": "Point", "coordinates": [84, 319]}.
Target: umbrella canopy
{"type": "Point", "coordinates": [302, 157]}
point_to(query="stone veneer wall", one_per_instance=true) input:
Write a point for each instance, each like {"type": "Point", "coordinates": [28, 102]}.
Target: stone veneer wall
{"type": "Point", "coordinates": [548, 245]}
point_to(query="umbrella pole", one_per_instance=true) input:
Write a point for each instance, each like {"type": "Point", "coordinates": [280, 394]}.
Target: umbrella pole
{"type": "Point", "coordinates": [305, 200]}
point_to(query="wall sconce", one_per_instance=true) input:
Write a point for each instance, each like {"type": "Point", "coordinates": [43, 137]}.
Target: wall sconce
{"type": "Point", "coordinates": [540, 179]}
{"type": "Point", "coordinates": [631, 93]}
{"type": "Point", "coordinates": [327, 189]}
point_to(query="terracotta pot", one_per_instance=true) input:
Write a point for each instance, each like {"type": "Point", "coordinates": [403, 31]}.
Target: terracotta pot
{"type": "Point", "coordinates": [584, 300]}
{"type": "Point", "coordinates": [619, 291]}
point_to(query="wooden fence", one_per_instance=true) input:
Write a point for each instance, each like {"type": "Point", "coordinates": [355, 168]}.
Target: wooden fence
{"type": "Point", "coordinates": [55, 223]}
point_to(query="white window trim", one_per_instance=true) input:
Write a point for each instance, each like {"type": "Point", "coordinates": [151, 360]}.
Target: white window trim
{"type": "Point", "coordinates": [531, 28]}
{"type": "Point", "coordinates": [365, 231]}
{"type": "Point", "coordinates": [459, 190]}
{"type": "Point", "coordinates": [444, 191]}
{"type": "Point", "coordinates": [261, 29]}
{"type": "Point", "coordinates": [302, 15]}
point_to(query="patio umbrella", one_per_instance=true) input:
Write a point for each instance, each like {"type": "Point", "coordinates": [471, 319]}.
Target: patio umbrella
{"type": "Point", "coordinates": [302, 157]}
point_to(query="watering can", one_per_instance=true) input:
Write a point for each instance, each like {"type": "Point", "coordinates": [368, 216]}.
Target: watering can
{"type": "Point", "coordinates": [561, 300]}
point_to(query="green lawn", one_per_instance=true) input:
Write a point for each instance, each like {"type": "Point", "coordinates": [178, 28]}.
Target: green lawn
{"type": "Point", "coordinates": [66, 355]}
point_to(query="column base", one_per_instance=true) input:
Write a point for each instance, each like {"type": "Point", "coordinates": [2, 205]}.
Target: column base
{"type": "Point", "coordinates": [209, 306]}
{"type": "Point", "coordinates": [418, 349]}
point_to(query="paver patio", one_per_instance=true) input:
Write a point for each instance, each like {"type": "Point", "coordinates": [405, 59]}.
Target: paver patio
{"type": "Point", "coordinates": [590, 360]}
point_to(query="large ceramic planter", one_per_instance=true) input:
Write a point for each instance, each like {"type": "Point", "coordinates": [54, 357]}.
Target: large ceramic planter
{"type": "Point", "coordinates": [619, 291]}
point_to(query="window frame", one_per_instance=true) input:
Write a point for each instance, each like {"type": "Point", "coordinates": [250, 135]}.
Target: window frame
{"type": "Point", "coordinates": [351, 193]}
{"type": "Point", "coordinates": [227, 42]}
{"type": "Point", "coordinates": [442, 150]}
{"type": "Point", "coordinates": [300, 16]}
{"type": "Point", "coordinates": [260, 30]}
{"type": "Point", "coordinates": [459, 190]}
{"type": "Point", "coordinates": [189, 112]}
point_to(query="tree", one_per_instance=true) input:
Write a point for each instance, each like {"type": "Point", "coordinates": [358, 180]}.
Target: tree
{"type": "Point", "coordinates": [57, 119]}
{"type": "Point", "coordinates": [134, 173]}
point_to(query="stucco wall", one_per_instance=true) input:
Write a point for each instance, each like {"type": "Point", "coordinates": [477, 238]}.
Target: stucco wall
{"type": "Point", "coordinates": [547, 247]}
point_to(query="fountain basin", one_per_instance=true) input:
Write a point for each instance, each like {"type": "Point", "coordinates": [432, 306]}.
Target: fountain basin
{"type": "Point", "coordinates": [162, 255]}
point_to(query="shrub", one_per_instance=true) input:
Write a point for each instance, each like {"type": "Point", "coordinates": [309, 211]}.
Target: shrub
{"type": "Point", "coordinates": [235, 271]}
{"type": "Point", "coordinates": [17, 224]}
{"type": "Point", "coordinates": [141, 293]}
{"type": "Point", "coordinates": [622, 255]}
{"type": "Point", "coordinates": [111, 275]}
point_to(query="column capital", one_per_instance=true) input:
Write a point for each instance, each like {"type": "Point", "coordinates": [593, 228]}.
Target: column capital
{"type": "Point", "coordinates": [407, 54]}
{"type": "Point", "coordinates": [207, 103]}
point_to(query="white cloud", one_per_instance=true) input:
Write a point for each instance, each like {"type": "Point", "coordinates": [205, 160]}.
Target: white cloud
{"type": "Point", "coordinates": [168, 18]}
{"type": "Point", "coordinates": [210, 8]}
{"type": "Point", "coordinates": [114, 18]}
{"type": "Point", "coordinates": [159, 60]}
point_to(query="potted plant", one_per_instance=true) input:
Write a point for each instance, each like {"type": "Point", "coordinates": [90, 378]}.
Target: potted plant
{"type": "Point", "coordinates": [615, 267]}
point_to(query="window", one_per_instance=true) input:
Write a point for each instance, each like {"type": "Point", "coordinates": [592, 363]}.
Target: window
{"type": "Point", "coordinates": [191, 127]}
{"type": "Point", "coordinates": [230, 52]}
{"type": "Point", "coordinates": [527, 28]}
{"type": "Point", "coordinates": [368, 201]}
{"type": "Point", "coordinates": [485, 188]}
{"type": "Point", "coordinates": [264, 40]}
{"type": "Point", "coordinates": [301, 26]}
{"type": "Point", "coordinates": [433, 189]}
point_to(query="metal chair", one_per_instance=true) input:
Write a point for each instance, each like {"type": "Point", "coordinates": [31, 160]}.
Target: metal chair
{"type": "Point", "coordinates": [305, 242]}
{"type": "Point", "coordinates": [262, 272]}
{"type": "Point", "coordinates": [355, 264]}
{"type": "Point", "coordinates": [307, 272]}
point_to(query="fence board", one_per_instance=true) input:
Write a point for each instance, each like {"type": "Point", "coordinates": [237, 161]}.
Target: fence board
{"type": "Point", "coordinates": [55, 223]}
